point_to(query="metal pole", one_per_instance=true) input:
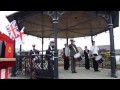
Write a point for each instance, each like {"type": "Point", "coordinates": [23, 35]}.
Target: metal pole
{"type": "Point", "coordinates": [91, 38]}
{"type": "Point", "coordinates": [55, 22]}
{"type": "Point", "coordinates": [112, 49]}
{"type": "Point", "coordinates": [42, 42]}
{"type": "Point", "coordinates": [14, 68]}
{"type": "Point", "coordinates": [20, 49]}
{"type": "Point", "coordinates": [91, 60]}
{"type": "Point", "coordinates": [20, 60]}
{"type": "Point", "coordinates": [67, 40]}
{"type": "Point", "coordinates": [42, 54]}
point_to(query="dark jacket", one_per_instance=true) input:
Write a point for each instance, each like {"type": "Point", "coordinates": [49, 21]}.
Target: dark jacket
{"type": "Point", "coordinates": [72, 51]}
{"type": "Point", "coordinates": [86, 54]}
{"type": "Point", "coordinates": [49, 52]}
{"type": "Point", "coordinates": [34, 52]}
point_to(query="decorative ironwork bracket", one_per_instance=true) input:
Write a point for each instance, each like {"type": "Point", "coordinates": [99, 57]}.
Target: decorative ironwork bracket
{"type": "Point", "coordinates": [53, 16]}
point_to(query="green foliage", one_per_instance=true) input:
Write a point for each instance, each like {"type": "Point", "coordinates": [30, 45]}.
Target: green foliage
{"type": "Point", "coordinates": [106, 55]}
{"type": "Point", "coordinates": [118, 65]}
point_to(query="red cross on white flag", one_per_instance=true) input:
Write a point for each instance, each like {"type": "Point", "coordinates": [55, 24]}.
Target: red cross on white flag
{"type": "Point", "coordinates": [20, 38]}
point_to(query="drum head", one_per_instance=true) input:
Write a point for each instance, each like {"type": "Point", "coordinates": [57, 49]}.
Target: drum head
{"type": "Point", "coordinates": [98, 58]}
{"type": "Point", "coordinates": [77, 55]}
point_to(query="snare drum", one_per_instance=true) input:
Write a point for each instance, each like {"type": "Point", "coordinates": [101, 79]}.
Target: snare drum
{"type": "Point", "coordinates": [99, 59]}
{"type": "Point", "coordinates": [77, 55]}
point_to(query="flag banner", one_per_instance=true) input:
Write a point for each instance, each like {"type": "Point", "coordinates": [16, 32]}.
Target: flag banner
{"type": "Point", "coordinates": [15, 33]}
{"type": "Point", "coordinates": [13, 30]}
{"type": "Point", "coordinates": [20, 39]}
{"type": "Point", "coordinates": [9, 51]}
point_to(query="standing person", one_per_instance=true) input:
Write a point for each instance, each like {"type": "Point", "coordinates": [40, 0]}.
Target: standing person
{"type": "Point", "coordinates": [73, 51]}
{"type": "Point", "coordinates": [49, 54]}
{"type": "Point", "coordinates": [65, 56]}
{"type": "Point", "coordinates": [34, 55]}
{"type": "Point", "coordinates": [34, 52]}
{"type": "Point", "coordinates": [87, 63]}
{"type": "Point", "coordinates": [94, 51]}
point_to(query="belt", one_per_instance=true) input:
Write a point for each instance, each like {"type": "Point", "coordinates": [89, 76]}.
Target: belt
{"type": "Point", "coordinates": [96, 54]}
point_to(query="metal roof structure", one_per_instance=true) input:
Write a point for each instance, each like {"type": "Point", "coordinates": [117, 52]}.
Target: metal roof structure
{"type": "Point", "coordinates": [71, 24]}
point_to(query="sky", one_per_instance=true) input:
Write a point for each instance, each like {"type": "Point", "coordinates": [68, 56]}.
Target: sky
{"type": "Point", "coordinates": [101, 39]}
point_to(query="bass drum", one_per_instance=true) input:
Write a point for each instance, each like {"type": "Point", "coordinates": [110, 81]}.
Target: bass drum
{"type": "Point", "coordinates": [99, 59]}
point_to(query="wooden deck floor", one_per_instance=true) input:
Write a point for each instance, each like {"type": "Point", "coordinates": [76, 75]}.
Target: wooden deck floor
{"type": "Point", "coordinates": [82, 73]}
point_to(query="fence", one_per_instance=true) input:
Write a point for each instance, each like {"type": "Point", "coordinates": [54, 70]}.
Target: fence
{"type": "Point", "coordinates": [41, 67]}
{"type": "Point", "coordinates": [37, 66]}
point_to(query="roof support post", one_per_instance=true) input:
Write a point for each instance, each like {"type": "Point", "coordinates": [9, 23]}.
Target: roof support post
{"type": "Point", "coordinates": [55, 22]}
{"type": "Point", "coordinates": [42, 66]}
{"type": "Point", "coordinates": [112, 49]}
{"type": "Point", "coordinates": [67, 40]}
{"type": "Point", "coordinates": [91, 39]}
{"type": "Point", "coordinates": [20, 59]}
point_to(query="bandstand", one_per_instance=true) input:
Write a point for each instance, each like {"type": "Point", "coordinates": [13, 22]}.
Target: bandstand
{"type": "Point", "coordinates": [67, 24]}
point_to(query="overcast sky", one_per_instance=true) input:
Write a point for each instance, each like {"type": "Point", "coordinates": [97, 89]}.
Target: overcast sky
{"type": "Point", "coordinates": [101, 39]}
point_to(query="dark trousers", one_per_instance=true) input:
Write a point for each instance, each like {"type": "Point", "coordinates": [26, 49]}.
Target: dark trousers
{"type": "Point", "coordinates": [50, 64]}
{"type": "Point", "coordinates": [87, 63]}
{"type": "Point", "coordinates": [66, 63]}
{"type": "Point", "coordinates": [73, 64]}
{"type": "Point", "coordinates": [95, 64]}
{"type": "Point", "coordinates": [13, 74]}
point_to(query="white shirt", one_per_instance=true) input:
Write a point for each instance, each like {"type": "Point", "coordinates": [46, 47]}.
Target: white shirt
{"type": "Point", "coordinates": [94, 49]}
{"type": "Point", "coordinates": [67, 51]}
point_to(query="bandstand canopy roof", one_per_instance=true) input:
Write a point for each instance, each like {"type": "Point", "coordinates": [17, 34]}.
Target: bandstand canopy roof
{"type": "Point", "coordinates": [71, 24]}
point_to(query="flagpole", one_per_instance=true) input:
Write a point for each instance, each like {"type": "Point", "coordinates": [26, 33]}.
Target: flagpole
{"type": "Point", "coordinates": [14, 68]}
{"type": "Point", "coordinates": [20, 65]}
{"type": "Point", "coordinates": [42, 54]}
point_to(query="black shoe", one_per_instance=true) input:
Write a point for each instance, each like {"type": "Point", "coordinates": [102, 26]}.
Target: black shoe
{"type": "Point", "coordinates": [97, 71]}
{"type": "Point", "coordinates": [66, 69]}
{"type": "Point", "coordinates": [88, 69]}
{"type": "Point", "coordinates": [74, 72]}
